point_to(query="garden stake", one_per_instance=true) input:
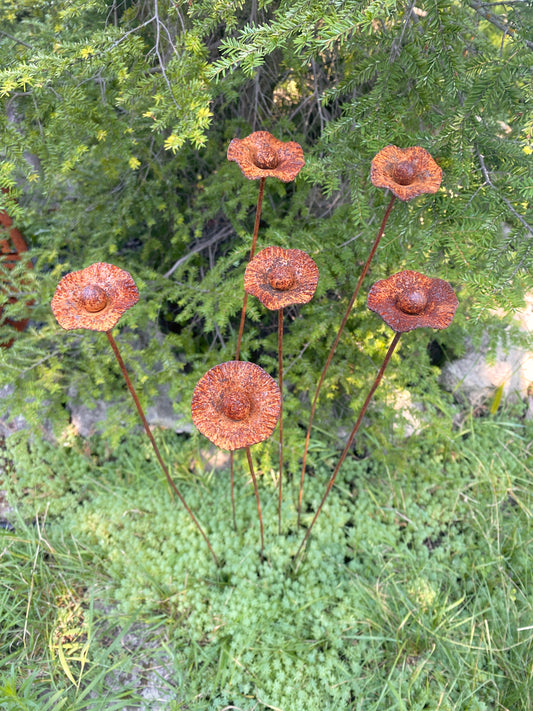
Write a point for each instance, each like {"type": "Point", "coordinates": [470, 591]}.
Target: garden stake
{"type": "Point", "coordinates": [12, 246]}
{"type": "Point", "coordinates": [251, 466]}
{"type": "Point", "coordinates": [280, 383]}
{"type": "Point", "coordinates": [243, 317]}
{"type": "Point", "coordinates": [235, 405]}
{"type": "Point", "coordinates": [95, 298]}
{"type": "Point", "coordinates": [407, 173]}
{"type": "Point", "coordinates": [252, 253]}
{"type": "Point", "coordinates": [259, 156]}
{"type": "Point", "coordinates": [334, 348]}
{"type": "Point", "coordinates": [232, 487]}
{"type": "Point", "coordinates": [278, 278]}
{"type": "Point", "coordinates": [346, 449]}
{"type": "Point", "coordinates": [153, 442]}
{"type": "Point", "coordinates": [231, 468]}
{"type": "Point", "coordinates": [405, 301]}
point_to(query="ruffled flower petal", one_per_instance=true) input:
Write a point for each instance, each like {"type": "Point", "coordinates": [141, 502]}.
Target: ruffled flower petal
{"type": "Point", "coordinates": [409, 300]}
{"type": "Point", "coordinates": [94, 298]}
{"type": "Point", "coordinates": [281, 277]}
{"type": "Point", "coordinates": [406, 172]}
{"type": "Point", "coordinates": [261, 155]}
{"type": "Point", "coordinates": [236, 404]}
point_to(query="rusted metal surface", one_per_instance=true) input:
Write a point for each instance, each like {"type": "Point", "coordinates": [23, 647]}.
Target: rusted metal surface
{"type": "Point", "coordinates": [94, 298]}
{"type": "Point", "coordinates": [261, 155]}
{"type": "Point", "coordinates": [409, 300]}
{"type": "Point", "coordinates": [406, 172]}
{"type": "Point", "coordinates": [12, 246]}
{"type": "Point", "coordinates": [236, 404]}
{"type": "Point", "coordinates": [281, 277]}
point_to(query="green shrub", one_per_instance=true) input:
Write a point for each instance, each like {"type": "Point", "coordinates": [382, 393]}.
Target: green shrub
{"type": "Point", "coordinates": [114, 135]}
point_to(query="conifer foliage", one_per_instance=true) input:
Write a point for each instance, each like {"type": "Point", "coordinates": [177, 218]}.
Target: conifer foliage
{"type": "Point", "coordinates": [116, 118]}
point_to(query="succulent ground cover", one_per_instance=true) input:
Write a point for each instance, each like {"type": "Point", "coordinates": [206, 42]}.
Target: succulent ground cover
{"type": "Point", "coordinates": [415, 591]}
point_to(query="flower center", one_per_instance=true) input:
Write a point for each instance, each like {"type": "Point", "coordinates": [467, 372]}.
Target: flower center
{"type": "Point", "coordinates": [281, 277]}
{"type": "Point", "coordinates": [236, 405]}
{"type": "Point", "coordinates": [266, 158]}
{"type": "Point", "coordinates": [93, 298]}
{"type": "Point", "coordinates": [412, 302]}
{"type": "Point", "coordinates": [404, 172]}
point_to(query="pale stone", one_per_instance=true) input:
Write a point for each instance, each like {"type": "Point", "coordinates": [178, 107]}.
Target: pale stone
{"type": "Point", "coordinates": [92, 420]}
{"type": "Point", "coordinates": [412, 413]}
{"type": "Point", "coordinates": [475, 377]}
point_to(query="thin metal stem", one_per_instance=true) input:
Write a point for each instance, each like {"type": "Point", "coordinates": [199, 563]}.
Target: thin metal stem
{"type": "Point", "coordinates": [245, 303]}
{"type": "Point", "coordinates": [346, 449]}
{"type": "Point", "coordinates": [252, 252]}
{"type": "Point", "coordinates": [280, 376]}
{"type": "Point", "coordinates": [249, 456]}
{"type": "Point", "coordinates": [232, 492]}
{"type": "Point", "coordinates": [152, 440]}
{"type": "Point", "coordinates": [334, 348]}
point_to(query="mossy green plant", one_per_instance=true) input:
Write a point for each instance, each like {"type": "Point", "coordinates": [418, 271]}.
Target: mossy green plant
{"type": "Point", "coordinates": [415, 590]}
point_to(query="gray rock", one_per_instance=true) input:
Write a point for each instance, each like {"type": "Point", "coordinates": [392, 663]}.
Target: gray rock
{"type": "Point", "coordinates": [8, 424]}
{"type": "Point", "coordinates": [475, 377]}
{"type": "Point", "coordinates": [90, 419]}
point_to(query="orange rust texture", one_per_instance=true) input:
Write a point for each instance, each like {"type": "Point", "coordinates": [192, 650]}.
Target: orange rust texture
{"type": "Point", "coordinates": [409, 300]}
{"type": "Point", "coordinates": [17, 240]}
{"type": "Point", "coordinates": [236, 404]}
{"type": "Point", "coordinates": [94, 298]}
{"type": "Point", "coordinates": [281, 277]}
{"type": "Point", "coordinates": [406, 172]}
{"type": "Point", "coordinates": [12, 245]}
{"type": "Point", "coordinates": [261, 155]}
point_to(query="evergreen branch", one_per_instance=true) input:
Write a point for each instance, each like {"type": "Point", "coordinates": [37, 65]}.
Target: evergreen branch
{"type": "Point", "coordinates": [221, 234]}
{"type": "Point", "coordinates": [14, 39]}
{"type": "Point", "coordinates": [130, 32]}
{"type": "Point", "coordinates": [504, 2]}
{"type": "Point", "coordinates": [519, 217]}
{"type": "Point", "coordinates": [160, 56]}
{"type": "Point", "coordinates": [398, 41]}
{"type": "Point", "coordinates": [497, 21]}
{"type": "Point", "coordinates": [487, 177]}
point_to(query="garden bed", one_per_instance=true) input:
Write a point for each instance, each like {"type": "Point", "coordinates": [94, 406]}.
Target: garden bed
{"type": "Point", "coordinates": [415, 590]}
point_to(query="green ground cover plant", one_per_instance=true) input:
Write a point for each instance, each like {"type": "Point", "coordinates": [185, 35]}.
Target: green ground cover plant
{"type": "Point", "coordinates": [414, 589]}
{"type": "Point", "coordinates": [415, 593]}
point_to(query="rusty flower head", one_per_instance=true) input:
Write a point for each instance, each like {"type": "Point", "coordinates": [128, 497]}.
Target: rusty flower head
{"type": "Point", "coordinates": [409, 300]}
{"type": "Point", "coordinates": [406, 172]}
{"type": "Point", "coordinates": [260, 155]}
{"type": "Point", "coordinates": [281, 277]}
{"type": "Point", "coordinates": [12, 245]}
{"type": "Point", "coordinates": [236, 404]}
{"type": "Point", "coordinates": [94, 298]}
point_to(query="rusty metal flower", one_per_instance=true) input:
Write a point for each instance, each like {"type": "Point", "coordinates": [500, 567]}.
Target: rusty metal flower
{"type": "Point", "coordinates": [406, 172]}
{"type": "Point", "coordinates": [12, 246]}
{"type": "Point", "coordinates": [281, 277]}
{"type": "Point", "coordinates": [261, 155]}
{"type": "Point", "coordinates": [409, 300]}
{"type": "Point", "coordinates": [94, 298]}
{"type": "Point", "coordinates": [236, 404]}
